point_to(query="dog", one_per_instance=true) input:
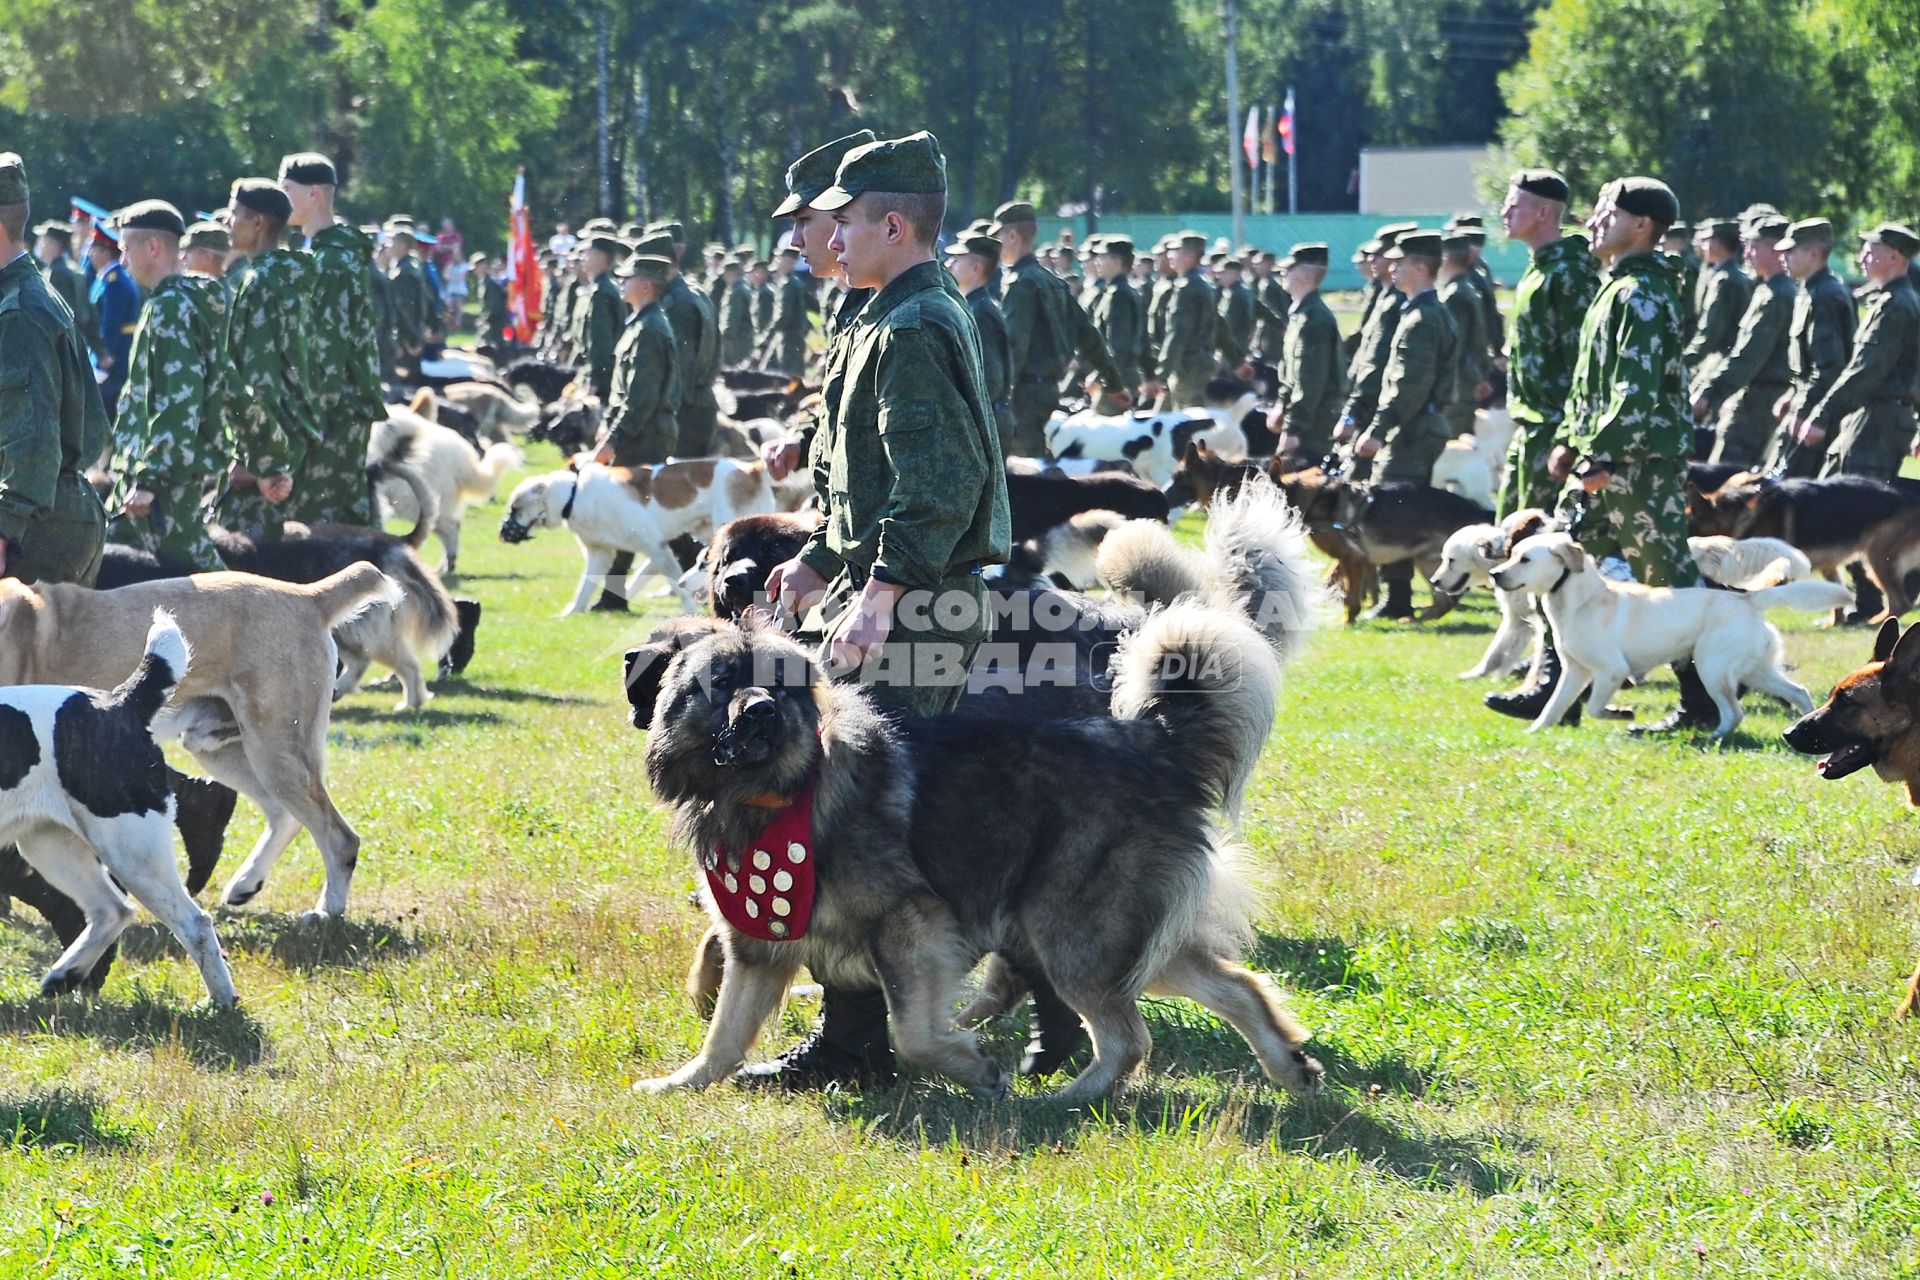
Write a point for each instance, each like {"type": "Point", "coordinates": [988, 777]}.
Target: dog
{"type": "Point", "coordinates": [1065, 555]}
{"type": "Point", "coordinates": [498, 415]}
{"type": "Point", "coordinates": [1473, 465]}
{"type": "Point", "coordinates": [1467, 560]}
{"type": "Point", "coordinates": [1364, 526]}
{"type": "Point", "coordinates": [570, 423]}
{"type": "Point", "coordinates": [1872, 718]}
{"type": "Point", "coordinates": [1609, 631]}
{"type": "Point", "coordinates": [733, 567]}
{"type": "Point", "coordinates": [446, 463]}
{"type": "Point", "coordinates": [642, 509]}
{"type": "Point", "coordinates": [1201, 474]}
{"type": "Point", "coordinates": [1040, 499]}
{"type": "Point", "coordinates": [1749, 564]}
{"type": "Point", "coordinates": [1150, 442]}
{"type": "Point", "coordinates": [546, 380]}
{"type": "Point", "coordinates": [1102, 867]}
{"type": "Point", "coordinates": [253, 708]}
{"type": "Point", "coordinates": [84, 797]}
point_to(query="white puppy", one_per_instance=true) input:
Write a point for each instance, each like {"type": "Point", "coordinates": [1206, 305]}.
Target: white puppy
{"type": "Point", "coordinates": [1467, 561]}
{"type": "Point", "coordinates": [1749, 563]}
{"type": "Point", "coordinates": [457, 476]}
{"type": "Point", "coordinates": [1608, 631]}
{"type": "Point", "coordinates": [1473, 465]}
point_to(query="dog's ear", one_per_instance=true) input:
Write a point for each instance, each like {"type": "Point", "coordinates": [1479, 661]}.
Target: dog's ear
{"type": "Point", "coordinates": [646, 668]}
{"type": "Point", "coordinates": [423, 404]}
{"type": "Point", "coordinates": [1570, 554]}
{"type": "Point", "coordinates": [1903, 664]}
{"type": "Point", "coordinates": [1887, 637]}
{"type": "Point", "coordinates": [1523, 524]}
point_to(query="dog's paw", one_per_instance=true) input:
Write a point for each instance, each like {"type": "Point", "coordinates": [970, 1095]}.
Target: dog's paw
{"type": "Point", "coordinates": [999, 1086]}
{"type": "Point", "coordinates": [63, 982]}
{"type": "Point", "coordinates": [239, 894]}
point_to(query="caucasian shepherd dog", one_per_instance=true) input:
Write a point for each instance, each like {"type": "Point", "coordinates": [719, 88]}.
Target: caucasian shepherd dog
{"type": "Point", "coordinates": [1085, 850]}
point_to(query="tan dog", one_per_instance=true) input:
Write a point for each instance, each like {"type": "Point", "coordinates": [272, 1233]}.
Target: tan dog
{"type": "Point", "coordinates": [253, 707]}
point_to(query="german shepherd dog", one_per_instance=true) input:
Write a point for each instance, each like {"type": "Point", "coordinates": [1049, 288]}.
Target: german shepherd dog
{"type": "Point", "coordinates": [1102, 869]}
{"type": "Point", "coordinates": [1365, 526]}
{"type": "Point", "coordinates": [1873, 718]}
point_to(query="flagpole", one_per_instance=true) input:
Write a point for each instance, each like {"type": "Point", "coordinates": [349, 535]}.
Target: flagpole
{"type": "Point", "coordinates": [1293, 156]}
{"type": "Point", "coordinates": [1273, 117]}
{"type": "Point", "coordinates": [1230, 24]}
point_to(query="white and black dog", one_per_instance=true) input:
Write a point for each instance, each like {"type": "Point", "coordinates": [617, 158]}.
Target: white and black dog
{"type": "Point", "coordinates": [83, 793]}
{"type": "Point", "coordinates": [1152, 443]}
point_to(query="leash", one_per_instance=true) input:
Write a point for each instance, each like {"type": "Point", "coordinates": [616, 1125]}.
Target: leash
{"type": "Point", "coordinates": [566, 512]}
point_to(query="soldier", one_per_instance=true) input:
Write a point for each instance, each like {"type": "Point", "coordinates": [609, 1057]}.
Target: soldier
{"type": "Point", "coordinates": [783, 348]}
{"type": "Point", "coordinates": [1470, 228]}
{"type": "Point", "coordinates": [168, 456]}
{"type": "Point", "coordinates": [896, 564]}
{"type": "Point", "coordinates": [1409, 429]}
{"type": "Point", "coordinates": [1159, 308]}
{"type": "Point", "coordinates": [1270, 335]}
{"type": "Point", "coordinates": [973, 260]}
{"type": "Point", "coordinates": [736, 314]}
{"type": "Point", "coordinates": [1184, 359]}
{"type": "Point", "coordinates": [1045, 330]}
{"type": "Point", "coordinates": [1678, 245]}
{"type": "Point", "coordinates": [1312, 380]}
{"type": "Point", "coordinates": [271, 419]}
{"type": "Point", "coordinates": [412, 300]}
{"type": "Point", "coordinates": [599, 315]}
{"type": "Point", "coordinates": [53, 246]}
{"type": "Point", "coordinates": [1544, 341]}
{"type": "Point", "coordinates": [1468, 313]}
{"type": "Point", "coordinates": [713, 261]}
{"type": "Point", "coordinates": [1741, 392]}
{"type": "Point", "coordinates": [1236, 307]}
{"type": "Point", "coordinates": [1724, 293]}
{"type": "Point", "coordinates": [494, 315]}
{"type": "Point", "coordinates": [343, 353]}
{"type": "Point", "coordinates": [1818, 344]}
{"type": "Point", "coordinates": [1119, 315]}
{"type": "Point", "coordinates": [1366, 260]}
{"type": "Point", "coordinates": [695, 325]}
{"type": "Point", "coordinates": [52, 423]}
{"type": "Point", "coordinates": [115, 300]}
{"type": "Point", "coordinates": [1369, 363]}
{"type": "Point", "coordinates": [204, 254]}
{"type": "Point", "coordinates": [1870, 405]}
{"type": "Point", "coordinates": [759, 279]}
{"type": "Point", "coordinates": [642, 422]}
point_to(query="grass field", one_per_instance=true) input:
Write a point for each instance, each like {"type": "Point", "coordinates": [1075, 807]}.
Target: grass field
{"type": "Point", "coordinates": [1590, 1006]}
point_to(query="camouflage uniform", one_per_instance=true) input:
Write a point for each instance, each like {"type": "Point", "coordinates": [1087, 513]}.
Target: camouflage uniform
{"type": "Point", "coordinates": [343, 382]}
{"type": "Point", "coordinates": [1469, 317]}
{"type": "Point", "coordinates": [995, 364]}
{"type": "Point", "coordinates": [1724, 292]}
{"type": "Point", "coordinates": [908, 477]}
{"type": "Point", "coordinates": [1492, 323]}
{"type": "Point", "coordinates": [643, 412]}
{"type": "Point", "coordinates": [1044, 331]}
{"type": "Point", "coordinates": [70, 283]}
{"type": "Point", "coordinates": [699, 335]}
{"type": "Point", "coordinates": [216, 294]}
{"type": "Point", "coordinates": [52, 426]}
{"type": "Point", "coordinates": [1312, 382]}
{"type": "Point", "coordinates": [167, 439]}
{"type": "Point", "coordinates": [271, 420]}
{"type": "Point", "coordinates": [1871, 402]}
{"type": "Point", "coordinates": [380, 289]}
{"type": "Point", "coordinates": [1119, 317]}
{"type": "Point", "coordinates": [1369, 363]}
{"type": "Point", "coordinates": [1627, 408]}
{"type": "Point", "coordinates": [1185, 359]}
{"type": "Point", "coordinates": [412, 303]}
{"type": "Point", "coordinates": [1818, 345]}
{"type": "Point", "coordinates": [598, 320]}
{"type": "Point", "coordinates": [837, 324]}
{"type": "Point", "coordinates": [1237, 315]}
{"type": "Point", "coordinates": [784, 345]}
{"type": "Point", "coordinates": [736, 324]}
{"type": "Point", "coordinates": [1754, 375]}
{"type": "Point", "coordinates": [1415, 388]}
{"type": "Point", "coordinates": [763, 300]}
{"type": "Point", "coordinates": [1270, 336]}
{"type": "Point", "coordinates": [1542, 346]}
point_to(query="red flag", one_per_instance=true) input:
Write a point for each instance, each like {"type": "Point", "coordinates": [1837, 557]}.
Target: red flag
{"type": "Point", "coordinates": [523, 266]}
{"type": "Point", "coordinates": [1250, 140]}
{"type": "Point", "coordinates": [1285, 127]}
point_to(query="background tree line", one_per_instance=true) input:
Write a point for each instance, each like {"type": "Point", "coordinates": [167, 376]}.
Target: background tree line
{"type": "Point", "coordinates": [430, 105]}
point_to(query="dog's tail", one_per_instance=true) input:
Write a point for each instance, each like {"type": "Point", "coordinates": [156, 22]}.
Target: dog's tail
{"type": "Point", "coordinates": [1143, 560]}
{"type": "Point", "coordinates": [351, 590]}
{"type": "Point", "coordinates": [429, 620]}
{"type": "Point", "coordinates": [1211, 681]}
{"type": "Point", "coordinates": [494, 465]}
{"type": "Point", "coordinates": [1810, 596]}
{"type": "Point", "coordinates": [162, 667]}
{"type": "Point", "coordinates": [425, 501]}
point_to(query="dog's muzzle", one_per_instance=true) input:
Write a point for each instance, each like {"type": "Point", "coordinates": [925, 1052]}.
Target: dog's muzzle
{"type": "Point", "coordinates": [511, 530]}
{"type": "Point", "coordinates": [749, 735]}
{"type": "Point", "coordinates": [1841, 756]}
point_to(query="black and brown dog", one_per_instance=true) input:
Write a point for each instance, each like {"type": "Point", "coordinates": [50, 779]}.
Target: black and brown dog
{"type": "Point", "coordinates": [1873, 718]}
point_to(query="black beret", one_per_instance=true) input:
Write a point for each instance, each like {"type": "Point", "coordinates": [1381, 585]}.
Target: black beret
{"type": "Point", "coordinates": [1647, 198]}
{"type": "Point", "coordinates": [151, 215]}
{"type": "Point", "coordinates": [262, 196]}
{"type": "Point", "coordinates": [1544, 183]}
{"type": "Point", "coordinates": [309, 168]}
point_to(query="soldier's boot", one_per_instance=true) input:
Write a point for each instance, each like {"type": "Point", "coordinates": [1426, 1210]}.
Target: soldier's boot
{"type": "Point", "coordinates": [1397, 601]}
{"type": "Point", "coordinates": [612, 599]}
{"type": "Point", "coordinates": [849, 1046]}
{"type": "Point", "coordinates": [1056, 1033]}
{"type": "Point", "coordinates": [1696, 709]}
{"type": "Point", "coordinates": [1867, 600]}
{"type": "Point", "coordinates": [1528, 703]}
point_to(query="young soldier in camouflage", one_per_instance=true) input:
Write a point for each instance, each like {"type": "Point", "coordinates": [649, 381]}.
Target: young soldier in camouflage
{"type": "Point", "coordinates": [270, 415]}
{"type": "Point", "coordinates": [1312, 380]}
{"type": "Point", "coordinates": [343, 350]}
{"type": "Point", "coordinates": [1118, 314]}
{"type": "Point", "coordinates": [698, 333]}
{"type": "Point", "coordinates": [204, 251]}
{"type": "Point", "coordinates": [973, 260]}
{"type": "Point", "coordinates": [1184, 359]}
{"type": "Point", "coordinates": [1236, 308]}
{"type": "Point", "coordinates": [1741, 393]}
{"type": "Point", "coordinates": [1818, 343]}
{"type": "Point", "coordinates": [783, 349]}
{"type": "Point", "coordinates": [736, 314]}
{"type": "Point", "coordinates": [1462, 301]}
{"type": "Point", "coordinates": [642, 420]}
{"type": "Point", "coordinates": [1544, 339]}
{"type": "Point", "coordinates": [54, 247]}
{"type": "Point", "coordinates": [1045, 330]}
{"type": "Point", "coordinates": [1724, 292]}
{"type": "Point", "coordinates": [52, 421]}
{"type": "Point", "coordinates": [1369, 363]}
{"type": "Point", "coordinates": [412, 299]}
{"type": "Point", "coordinates": [599, 315]}
{"type": "Point", "coordinates": [168, 454]}
{"type": "Point", "coordinates": [1870, 404]}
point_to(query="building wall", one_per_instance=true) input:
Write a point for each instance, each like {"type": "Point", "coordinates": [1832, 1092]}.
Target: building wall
{"type": "Point", "coordinates": [1394, 178]}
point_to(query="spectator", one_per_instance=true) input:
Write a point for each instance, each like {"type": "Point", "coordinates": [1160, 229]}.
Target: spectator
{"type": "Point", "coordinates": [453, 288]}
{"type": "Point", "coordinates": [448, 246]}
{"type": "Point", "coordinates": [561, 243]}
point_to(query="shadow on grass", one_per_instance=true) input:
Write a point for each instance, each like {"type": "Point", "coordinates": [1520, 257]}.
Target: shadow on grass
{"type": "Point", "coordinates": [218, 1039]}
{"type": "Point", "coordinates": [1325, 966]}
{"type": "Point", "coordinates": [299, 944]}
{"type": "Point", "coordinates": [408, 723]}
{"type": "Point", "coordinates": [48, 1119]}
{"type": "Point", "coordinates": [461, 686]}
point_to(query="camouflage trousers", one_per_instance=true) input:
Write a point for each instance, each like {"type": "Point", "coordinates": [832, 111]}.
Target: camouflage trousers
{"type": "Point", "coordinates": [1872, 441]}
{"type": "Point", "coordinates": [1746, 426]}
{"type": "Point", "coordinates": [63, 545]}
{"type": "Point", "coordinates": [1527, 483]}
{"type": "Point", "coordinates": [1640, 516]}
{"type": "Point", "coordinates": [1408, 458]}
{"type": "Point", "coordinates": [331, 485]}
{"type": "Point", "coordinates": [1187, 388]}
{"type": "Point", "coordinates": [1034, 401]}
{"type": "Point", "coordinates": [174, 528]}
{"type": "Point", "coordinates": [699, 419]}
{"type": "Point", "coordinates": [922, 668]}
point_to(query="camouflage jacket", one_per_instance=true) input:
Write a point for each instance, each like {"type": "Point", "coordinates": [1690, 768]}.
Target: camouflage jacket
{"type": "Point", "coordinates": [1312, 381]}
{"type": "Point", "coordinates": [907, 467]}
{"type": "Point", "coordinates": [1045, 327]}
{"type": "Point", "coordinates": [1269, 336]}
{"type": "Point", "coordinates": [1369, 364]}
{"type": "Point", "coordinates": [216, 294]}
{"type": "Point", "coordinates": [52, 419]}
{"type": "Point", "coordinates": [736, 323]}
{"type": "Point", "coordinates": [1724, 292]}
{"type": "Point", "coordinates": [646, 395]}
{"type": "Point", "coordinates": [994, 362]}
{"type": "Point", "coordinates": [599, 318]}
{"type": "Point", "coordinates": [1628, 401]}
{"type": "Point", "coordinates": [343, 351]}
{"type": "Point", "coordinates": [270, 416]}
{"type": "Point", "coordinates": [1759, 355]}
{"type": "Point", "coordinates": [412, 302]}
{"type": "Point", "coordinates": [1192, 327]}
{"type": "Point", "coordinates": [791, 321]}
{"type": "Point", "coordinates": [1236, 314]}
{"type": "Point", "coordinates": [1481, 280]}
{"type": "Point", "coordinates": [763, 300]}
{"type": "Point", "coordinates": [1421, 368]}
{"type": "Point", "coordinates": [167, 438]}
{"type": "Point", "coordinates": [1543, 342]}
{"type": "Point", "coordinates": [1471, 365]}
{"type": "Point", "coordinates": [1820, 340]}
{"type": "Point", "coordinates": [1886, 351]}
{"type": "Point", "coordinates": [699, 334]}
{"type": "Point", "coordinates": [1120, 318]}
{"type": "Point", "coordinates": [70, 283]}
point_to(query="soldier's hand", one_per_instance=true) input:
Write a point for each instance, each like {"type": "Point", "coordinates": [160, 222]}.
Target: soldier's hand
{"type": "Point", "coordinates": [1245, 371]}
{"type": "Point", "coordinates": [1367, 447]}
{"type": "Point", "coordinates": [138, 503]}
{"type": "Point", "coordinates": [1808, 434]}
{"type": "Point", "coordinates": [276, 489]}
{"type": "Point", "coordinates": [1343, 432]}
{"type": "Point", "coordinates": [867, 625]}
{"type": "Point", "coordinates": [238, 477]}
{"type": "Point", "coordinates": [781, 457]}
{"type": "Point", "coordinates": [1154, 387]}
{"type": "Point", "coordinates": [1560, 462]}
{"type": "Point", "coordinates": [1277, 418]}
{"type": "Point", "coordinates": [1701, 409]}
{"type": "Point", "coordinates": [1289, 444]}
{"type": "Point", "coordinates": [604, 454]}
{"type": "Point", "coordinates": [795, 586]}
{"type": "Point", "coordinates": [1595, 479]}
{"type": "Point", "coordinates": [1781, 405]}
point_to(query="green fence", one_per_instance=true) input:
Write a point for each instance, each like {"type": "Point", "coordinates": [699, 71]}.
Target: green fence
{"type": "Point", "coordinates": [1341, 232]}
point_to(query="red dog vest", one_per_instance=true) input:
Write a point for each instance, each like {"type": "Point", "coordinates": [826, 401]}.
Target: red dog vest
{"type": "Point", "coordinates": [766, 891]}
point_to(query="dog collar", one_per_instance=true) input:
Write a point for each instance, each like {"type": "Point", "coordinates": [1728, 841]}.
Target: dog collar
{"type": "Point", "coordinates": [566, 512]}
{"type": "Point", "coordinates": [766, 890]}
{"type": "Point", "coordinates": [1561, 581]}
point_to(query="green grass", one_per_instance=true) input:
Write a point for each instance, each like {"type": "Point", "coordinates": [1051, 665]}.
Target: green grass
{"type": "Point", "coordinates": [1590, 1006]}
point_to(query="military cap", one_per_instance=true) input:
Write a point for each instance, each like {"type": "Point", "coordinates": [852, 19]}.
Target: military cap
{"type": "Point", "coordinates": [611, 245]}
{"type": "Point", "coordinates": [655, 244]}
{"type": "Point", "coordinates": [714, 247]}
{"type": "Point", "coordinates": [396, 227]}
{"type": "Point", "coordinates": [308, 167]}
{"type": "Point", "coordinates": [786, 251]}
{"type": "Point", "coordinates": [911, 165]}
{"type": "Point", "coordinates": [1806, 231]}
{"type": "Point", "coordinates": [1464, 221]}
{"type": "Point", "coordinates": [670, 227]}
{"type": "Point", "coordinates": [651, 265]}
{"type": "Point", "coordinates": [631, 231]}
{"type": "Point", "coordinates": [1726, 230]}
{"type": "Point", "coordinates": [813, 172]}
{"type": "Point", "coordinates": [1675, 231]}
{"type": "Point", "coordinates": [1759, 209]}
{"type": "Point", "coordinates": [13, 178]}
{"type": "Point", "coordinates": [61, 231]}
{"type": "Point", "coordinates": [1455, 240]}
{"type": "Point", "coordinates": [745, 250]}
{"type": "Point", "coordinates": [1119, 245]}
{"type": "Point", "coordinates": [1544, 183]}
{"type": "Point", "coordinates": [1415, 244]}
{"type": "Point", "coordinates": [208, 235]}
{"type": "Point", "coordinates": [1313, 254]}
{"type": "Point", "coordinates": [976, 242]}
{"type": "Point", "coordinates": [1647, 198]}
{"type": "Point", "coordinates": [1188, 240]}
{"type": "Point", "coordinates": [1233, 261]}
{"type": "Point", "coordinates": [1390, 234]}
{"type": "Point", "coordinates": [1896, 237]}
{"type": "Point", "coordinates": [406, 220]}
{"type": "Point", "coordinates": [1768, 228]}
{"type": "Point", "coordinates": [477, 259]}
{"type": "Point", "coordinates": [589, 226]}
{"type": "Point", "coordinates": [262, 196]}
{"type": "Point", "coordinates": [151, 215]}
{"type": "Point", "coordinates": [1014, 211]}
